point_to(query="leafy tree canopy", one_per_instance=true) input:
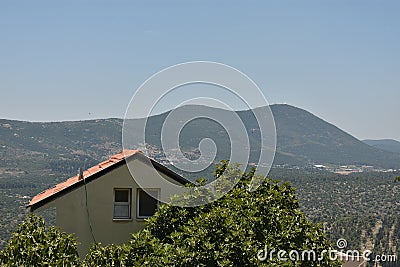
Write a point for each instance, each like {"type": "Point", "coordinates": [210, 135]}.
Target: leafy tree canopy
{"type": "Point", "coordinates": [34, 245]}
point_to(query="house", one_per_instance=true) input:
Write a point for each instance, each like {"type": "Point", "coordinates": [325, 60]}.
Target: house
{"type": "Point", "coordinates": [104, 203]}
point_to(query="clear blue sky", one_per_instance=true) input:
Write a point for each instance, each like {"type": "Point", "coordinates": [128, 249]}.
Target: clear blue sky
{"type": "Point", "coordinates": [339, 59]}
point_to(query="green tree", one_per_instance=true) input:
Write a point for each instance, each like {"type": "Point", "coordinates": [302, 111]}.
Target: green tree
{"type": "Point", "coordinates": [33, 245]}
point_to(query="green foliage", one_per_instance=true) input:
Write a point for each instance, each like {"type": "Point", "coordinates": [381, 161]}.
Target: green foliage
{"type": "Point", "coordinates": [33, 245]}
{"type": "Point", "coordinates": [112, 255]}
{"type": "Point", "coordinates": [397, 179]}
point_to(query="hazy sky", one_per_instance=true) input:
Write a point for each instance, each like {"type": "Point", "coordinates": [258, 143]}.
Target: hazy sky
{"type": "Point", "coordinates": [70, 60]}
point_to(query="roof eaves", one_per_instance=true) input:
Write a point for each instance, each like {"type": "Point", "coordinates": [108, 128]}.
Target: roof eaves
{"type": "Point", "coordinates": [104, 167]}
{"type": "Point", "coordinates": [73, 186]}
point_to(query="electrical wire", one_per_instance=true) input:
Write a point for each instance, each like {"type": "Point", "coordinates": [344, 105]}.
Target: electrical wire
{"type": "Point", "coordinates": [87, 211]}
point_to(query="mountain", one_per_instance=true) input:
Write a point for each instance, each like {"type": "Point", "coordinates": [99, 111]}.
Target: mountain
{"type": "Point", "coordinates": [304, 136]}
{"type": "Point", "coordinates": [385, 144]}
{"type": "Point", "coordinates": [56, 146]}
{"type": "Point", "coordinates": [302, 139]}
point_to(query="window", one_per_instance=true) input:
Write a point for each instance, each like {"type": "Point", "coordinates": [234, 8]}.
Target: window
{"type": "Point", "coordinates": [147, 202]}
{"type": "Point", "coordinates": [122, 203]}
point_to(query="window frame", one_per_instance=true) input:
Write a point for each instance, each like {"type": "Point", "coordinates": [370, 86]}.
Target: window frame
{"type": "Point", "coordinates": [128, 203]}
{"type": "Point", "coordinates": [138, 216]}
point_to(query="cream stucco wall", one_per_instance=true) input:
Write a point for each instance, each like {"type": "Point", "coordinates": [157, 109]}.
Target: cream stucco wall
{"type": "Point", "coordinates": [71, 213]}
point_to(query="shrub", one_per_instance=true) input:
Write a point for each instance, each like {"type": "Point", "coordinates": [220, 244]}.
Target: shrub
{"type": "Point", "coordinates": [33, 245]}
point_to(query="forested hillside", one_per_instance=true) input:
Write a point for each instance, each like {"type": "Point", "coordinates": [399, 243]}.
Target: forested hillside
{"type": "Point", "coordinates": [362, 208]}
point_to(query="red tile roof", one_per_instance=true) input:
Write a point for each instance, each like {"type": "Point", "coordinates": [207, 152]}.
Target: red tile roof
{"type": "Point", "coordinates": [86, 174]}
{"type": "Point", "coordinates": [97, 171]}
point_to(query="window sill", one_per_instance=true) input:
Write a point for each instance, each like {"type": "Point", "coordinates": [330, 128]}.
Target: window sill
{"type": "Point", "coordinates": [142, 219]}
{"type": "Point", "coordinates": [121, 220]}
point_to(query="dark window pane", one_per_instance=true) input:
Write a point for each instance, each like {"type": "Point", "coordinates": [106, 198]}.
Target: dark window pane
{"type": "Point", "coordinates": [121, 195]}
{"type": "Point", "coordinates": [147, 204]}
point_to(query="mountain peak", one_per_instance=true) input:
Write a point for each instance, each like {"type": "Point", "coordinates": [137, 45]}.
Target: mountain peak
{"type": "Point", "coordinates": [390, 145]}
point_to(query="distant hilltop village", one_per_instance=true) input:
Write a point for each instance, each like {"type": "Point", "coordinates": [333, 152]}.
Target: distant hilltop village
{"type": "Point", "coordinates": [156, 153]}
{"type": "Point", "coordinates": [348, 169]}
